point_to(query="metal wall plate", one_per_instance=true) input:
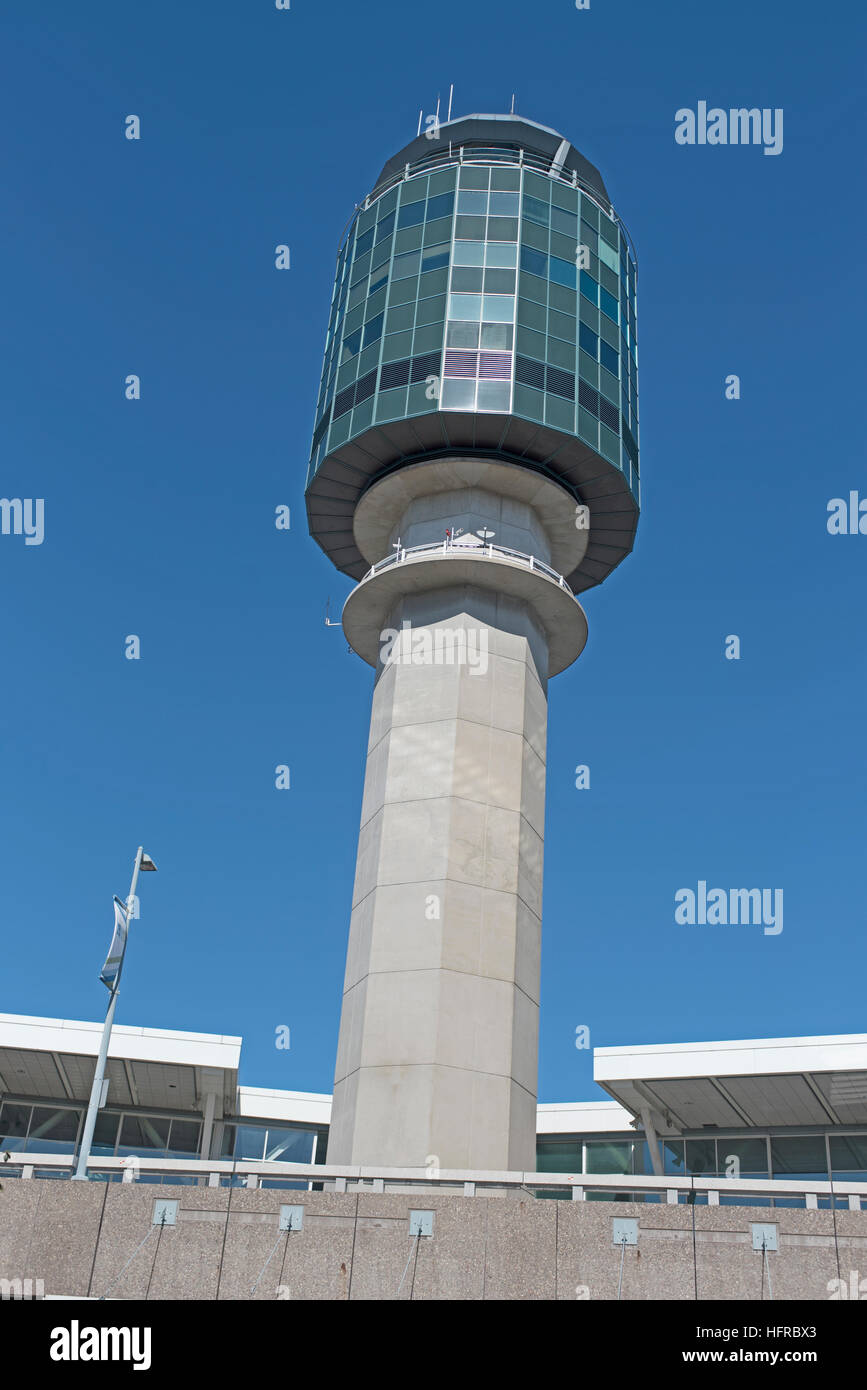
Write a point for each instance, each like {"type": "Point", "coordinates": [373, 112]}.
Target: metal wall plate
{"type": "Point", "coordinates": [764, 1233]}
{"type": "Point", "coordinates": [624, 1231]}
{"type": "Point", "coordinates": [165, 1212]}
{"type": "Point", "coordinates": [291, 1218]}
{"type": "Point", "coordinates": [421, 1223]}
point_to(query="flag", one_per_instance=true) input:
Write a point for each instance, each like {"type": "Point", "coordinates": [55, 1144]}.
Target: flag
{"type": "Point", "coordinates": [147, 864]}
{"type": "Point", "coordinates": [114, 960]}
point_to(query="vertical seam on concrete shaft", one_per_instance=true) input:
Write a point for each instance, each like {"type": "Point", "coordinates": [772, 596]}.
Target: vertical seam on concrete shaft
{"type": "Point", "coordinates": [283, 1261]}
{"type": "Point", "coordinates": [223, 1246]}
{"type": "Point", "coordinates": [834, 1220]}
{"type": "Point", "coordinates": [96, 1246]}
{"type": "Point", "coordinates": [34, 1221]}
{"type": "Point", "coordinates": [415, 1266]}
{"type": "Point", "coordinates": [154, 1261]}
{"type": "Point", "coordinates": [694, 1247]}
{"type": "Point", "coordinates": [485, 1253]}
{"type": "Point", "coordinates": [556, 1250]}
{"type": "Point", "coordinates": [352, 1253]}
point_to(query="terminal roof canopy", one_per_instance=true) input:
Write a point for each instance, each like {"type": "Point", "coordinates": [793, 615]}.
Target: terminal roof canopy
{"type": "Point", "coordinates": [754, 1084]}
{"type": "Point", "coordinates": [55, 1059]}
{"type": "Point", "coordinates": [735, 1085]}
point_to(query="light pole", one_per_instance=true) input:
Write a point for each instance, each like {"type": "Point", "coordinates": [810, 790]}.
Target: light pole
{"type": "Point", "coordinates": [111, 977]}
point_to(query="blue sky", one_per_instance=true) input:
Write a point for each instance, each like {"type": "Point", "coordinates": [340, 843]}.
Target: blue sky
{"type": "Point", "coordinates": [156, 257]}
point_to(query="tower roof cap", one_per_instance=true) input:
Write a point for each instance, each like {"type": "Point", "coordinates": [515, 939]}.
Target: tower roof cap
{"type": "Point", "coordinates": [487, 131]}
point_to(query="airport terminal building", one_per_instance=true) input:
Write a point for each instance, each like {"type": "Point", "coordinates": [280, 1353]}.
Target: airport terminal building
{"type": "Point", "coordinates": [792, 1109]}
{"type": "Point", "coordinates": [703, 1171]}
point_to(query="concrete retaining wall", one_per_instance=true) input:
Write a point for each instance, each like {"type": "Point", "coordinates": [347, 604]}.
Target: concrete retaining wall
{"type": "Point", "coordinates": [77, 1237]}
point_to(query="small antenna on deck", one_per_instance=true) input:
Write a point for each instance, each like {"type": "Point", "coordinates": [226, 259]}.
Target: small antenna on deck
{"type": "Point", "coordinates": [420, 114]}
{"type": "Point", "coordinates": [513, 104]}
{"type": "Point", "coordinates": [451, 94]}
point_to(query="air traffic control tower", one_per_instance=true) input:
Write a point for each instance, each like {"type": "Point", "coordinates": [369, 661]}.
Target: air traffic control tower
{"type": "Point", "coordinates": [474, 466]}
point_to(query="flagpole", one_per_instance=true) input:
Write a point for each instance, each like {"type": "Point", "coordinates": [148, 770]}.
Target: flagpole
{"type": "Point", "coordinates": [102, 1057]}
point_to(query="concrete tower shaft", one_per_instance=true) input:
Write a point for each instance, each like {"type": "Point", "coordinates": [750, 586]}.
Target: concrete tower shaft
{"type": "Point", "coordinates": [474, 465]}
{"type": "Point", "coordinates": [438, 1050]}
{"type": "Point", "coordinates": [438, 1035]}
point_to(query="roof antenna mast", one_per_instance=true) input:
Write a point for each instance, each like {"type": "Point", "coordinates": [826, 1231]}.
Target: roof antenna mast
{"type": "Point", "coordinates": [513, 103]}
{"type": "Point", "coordinates": [451, 94]}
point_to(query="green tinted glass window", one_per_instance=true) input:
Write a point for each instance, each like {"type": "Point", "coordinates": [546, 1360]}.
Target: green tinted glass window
{"type": "Point", "coordinates": [472, 176]}
{"type": "Point", "coordinates": [500, 281]}
{"type": "Point", "coordinates": [611, 1157]}
{"type": "Point", "coordinates": [802, 1156]}
{"type": "Point", "coordinates": [497, 336]}
{"type": "Point", "coordinates": [467, 279]}
{"type": "Point", "coordinates": [503, 204]}
{"type": "Point", "coordinates": [458, 395]}
{"type": "Point", "coordinates": [494, 395]}
{"type": "Point", "coordinates": [465, 306]}
{"type": "Point", "coordinates": [498, 308]}
{"type": "Point", "coordinates": [462, 335]}
{"type": "Point", "coordinates": [470, 228]}
{"type": "Point", "coordinates": [469, 253]}
{"type": "Point", "coordinates": [558, 1156]}
{"type": "Point", "coordinates": [742, 1158]}
{"type": "Point", "coordinates": [849, 1156]}
{"type": "Point", "coordinates": [534, 210]}
{"type": "Point", "coordinates": [472, 202]}
{"type": "Point", "coordinates": [503, 228]}
{"type": "Point", "coordinates": [440, 206]}
{"type": "Point", "coordinates": [607, 256]}
{"type": "Point", "coordinates": [410, 214]}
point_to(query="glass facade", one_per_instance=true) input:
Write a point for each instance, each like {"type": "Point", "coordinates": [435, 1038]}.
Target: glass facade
{"type": "Point", "coordinates": [819, 1155]}
{"type": "Point", "coordinates": [485, 289]}
{"type": "Point", "coordinates": [26, 1128]}
{"type": "Point", "coordinates": [274, 1143]}
{"type": "Point", "coordinates": [29, 1128]}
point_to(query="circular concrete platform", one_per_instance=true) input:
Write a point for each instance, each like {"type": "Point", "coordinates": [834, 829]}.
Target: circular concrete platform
{"type": "Point", "coordinates": [367, 609]}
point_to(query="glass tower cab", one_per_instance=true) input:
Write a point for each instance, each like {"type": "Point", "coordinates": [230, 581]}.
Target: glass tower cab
{"type": "Point", "coordinates": [484, 305]}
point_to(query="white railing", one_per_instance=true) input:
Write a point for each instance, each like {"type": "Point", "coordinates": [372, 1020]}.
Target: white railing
{"type": "Point", "coordinates": [499, 154]}
{"type": "Point", "coordinates": [482, 551]}
{"type": "Point", "coordinates": [351, 1178]}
